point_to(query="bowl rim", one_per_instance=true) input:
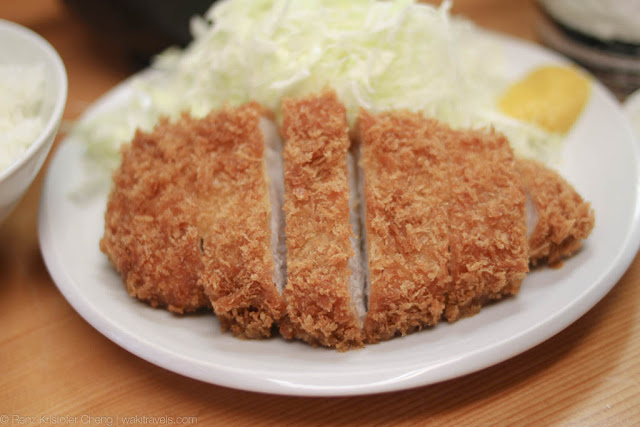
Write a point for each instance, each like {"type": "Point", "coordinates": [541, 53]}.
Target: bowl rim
{"type": "Point", "coordinates": [60, 74]}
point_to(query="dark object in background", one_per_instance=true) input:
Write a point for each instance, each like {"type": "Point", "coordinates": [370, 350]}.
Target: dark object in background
{"type": "Point", "coordinates": [614, 62]}
{"type": "Point", "coordinates": [140, 28]}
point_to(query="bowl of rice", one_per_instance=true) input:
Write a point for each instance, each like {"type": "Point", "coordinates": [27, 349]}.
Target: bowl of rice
{"type": "Point", "coordinates": [33, 93]}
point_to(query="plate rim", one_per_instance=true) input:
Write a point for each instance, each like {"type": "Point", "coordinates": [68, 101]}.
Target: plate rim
{"type": "Point", "coordinates": [469, 363]}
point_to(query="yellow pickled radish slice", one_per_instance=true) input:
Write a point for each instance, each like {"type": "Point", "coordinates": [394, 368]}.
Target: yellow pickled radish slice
{"type": "Point", "coordinates": [551, 97]}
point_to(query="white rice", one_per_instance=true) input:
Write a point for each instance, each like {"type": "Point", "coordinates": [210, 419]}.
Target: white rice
{"type": "Point", "coordinates": [22, 89]}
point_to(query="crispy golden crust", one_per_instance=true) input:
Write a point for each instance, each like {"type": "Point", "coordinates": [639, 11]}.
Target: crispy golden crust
{"type": "Point", "coordinates": [488, 234]}
{"type": "Point", "coordinates": [564, 220]}
{"type": "Point", "coordinates": [188, 220]}
{"type": "Point", "coordinates": [406, 192]}
{"type": "Point", "coordinates": [150, 235]}
{"type": "Point", "coordinates": [234, 212]}
{"type": "Point", "coordinates": [319, 306]}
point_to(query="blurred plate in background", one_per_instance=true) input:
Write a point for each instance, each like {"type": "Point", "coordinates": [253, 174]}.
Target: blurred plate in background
{"type": "Point", "coordinates": [601, 35]}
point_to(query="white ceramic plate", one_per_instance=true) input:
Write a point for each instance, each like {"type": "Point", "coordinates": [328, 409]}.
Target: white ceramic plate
{"type": "Point", "coordinates": [601, 159]}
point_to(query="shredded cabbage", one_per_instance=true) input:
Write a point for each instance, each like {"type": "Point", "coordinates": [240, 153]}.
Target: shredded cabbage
{"type": "Point", "coordinates": [375, 54]}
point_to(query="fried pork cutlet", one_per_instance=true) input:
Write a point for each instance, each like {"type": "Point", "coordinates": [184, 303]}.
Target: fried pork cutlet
{"type": "Point", "coordinates": [151, 235]}
{"type": "Point", "coordinates": [320, 308]}
{"type": "Point", "coordinates": [189, 218]}
{"type": "Point", "coordinates": [406, 192]}
{"type": "Point", "coordinates": [487, 220]}
{"type": "Point", "coordinates": [196, 220]}
{"type": "Point", "coordinates": [232, 198]}
{"type": "Point", "coordinates": [559, 219]}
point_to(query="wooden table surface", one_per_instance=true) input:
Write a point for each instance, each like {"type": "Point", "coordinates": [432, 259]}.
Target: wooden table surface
{"type": "Point", "coordinates": [54, 363]}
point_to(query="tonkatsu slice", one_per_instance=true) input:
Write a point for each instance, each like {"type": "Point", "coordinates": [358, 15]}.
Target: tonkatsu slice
{"type": "Point", "coordinates": [559, 219]}
{"type": "Point", "coordinates": [151, 233]}
{"type": "Point", "coordinates": [487, 221]}
{"type": "Point", "coordinates": [188, 223]}
{"type": "Point", "coordinates": [238, 219]}
{"type": "Point", "coordinates": [321, 307]}
{"type": "Point", "coordinates": [405, 173]}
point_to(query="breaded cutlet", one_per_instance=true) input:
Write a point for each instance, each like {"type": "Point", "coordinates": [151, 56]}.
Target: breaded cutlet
{"type": "Point", "coordinates": [151, 235]}
{"type": "Point", "coordinates": [406, 193]}
{"type": "Point", "coordinates": [234, 218]}
{"type": "Point", "coordinates": [187, 223]}
{"type": "Point", "coordinates": [487, 221]}
{"type": "Point", "coordinates": [319, 306]}
{"type": "Point", "coordinates": [562, 218]}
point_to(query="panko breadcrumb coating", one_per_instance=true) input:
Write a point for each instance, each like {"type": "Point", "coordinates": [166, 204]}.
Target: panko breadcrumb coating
{"type": "Point", "coordinates": [406, 194]}
{"type": "Point", "coordinates": [563, 218]}
{"type": "Point", "coordinates": [319, 306]}
{"type": "Point", "coordinates": [487, 220]}
{"type": "Point", "coordinates": [189, 221]}
{"type": "Point", "coordinates": [189, 215]}
{"type": "Point", "coordinates": [234, 214]}
{"type": "Point", "coordinates": [151, 235]}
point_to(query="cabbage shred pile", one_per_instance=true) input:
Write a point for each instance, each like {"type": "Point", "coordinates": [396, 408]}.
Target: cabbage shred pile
{"type": "Point", "coordinates": [378, 55]}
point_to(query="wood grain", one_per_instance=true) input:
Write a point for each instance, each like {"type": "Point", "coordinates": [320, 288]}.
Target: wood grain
{"type": "Point", "coordinates": [53, 363]}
